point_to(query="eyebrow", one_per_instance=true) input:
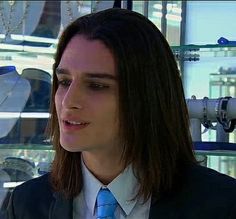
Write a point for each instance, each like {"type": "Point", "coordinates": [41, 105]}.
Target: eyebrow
{"type": "Point", "coordinates": [102, 75]}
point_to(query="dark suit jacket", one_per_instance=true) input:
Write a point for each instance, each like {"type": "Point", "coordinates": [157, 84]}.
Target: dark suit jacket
{"type": "Point", "coordinates": [204, 194]}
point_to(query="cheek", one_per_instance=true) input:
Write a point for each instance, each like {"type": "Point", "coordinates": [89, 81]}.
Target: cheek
{"type": "Point", "coordinates": [58, 101]}
{"type": "Point", "coordinates": [106, 110]}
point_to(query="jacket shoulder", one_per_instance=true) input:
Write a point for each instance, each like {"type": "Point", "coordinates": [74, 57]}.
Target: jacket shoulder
{"type": "Point", "coordinates": [39, 186]}
{"type": "Point", "coordinates": [208, 193]}
{"type": "Point", "coordinates": [202, 193]}
{"type": "Point", "coordinates": [39, 183]}
{"type": "Point", "coordinates": [205, 177]}
{"type": "Point", "coordinates": [35, 195]}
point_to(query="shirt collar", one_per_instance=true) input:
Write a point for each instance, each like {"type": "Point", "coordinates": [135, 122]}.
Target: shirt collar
{"type": "Point", "coordinates": [125, 187]}
{"type": "Point", "coordinates": [123, 194]}
{"type": "Point", "coordinates": [91, 187]}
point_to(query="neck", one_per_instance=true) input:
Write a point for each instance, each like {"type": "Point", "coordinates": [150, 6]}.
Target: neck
{"type": "Point", "coordinates": [105, 170]}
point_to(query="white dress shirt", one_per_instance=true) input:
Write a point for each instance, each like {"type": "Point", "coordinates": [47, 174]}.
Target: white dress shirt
{"type": "Point", "coordinates": [124, 188]}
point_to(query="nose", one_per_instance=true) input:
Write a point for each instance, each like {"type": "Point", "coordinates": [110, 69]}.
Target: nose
{"type": "Point", "coordinates": [72, 98]}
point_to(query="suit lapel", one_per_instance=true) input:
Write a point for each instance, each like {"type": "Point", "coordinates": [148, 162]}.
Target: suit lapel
{"type": "Point", "coordinates": [61, 208]}
{"type": "Point", "coordinates": [164, 208]}
{"type": "Point", "coordinates": [152, 212]}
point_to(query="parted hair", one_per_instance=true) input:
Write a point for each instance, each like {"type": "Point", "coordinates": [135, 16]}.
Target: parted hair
{"type": "Point", "coordinates": [153, 117]}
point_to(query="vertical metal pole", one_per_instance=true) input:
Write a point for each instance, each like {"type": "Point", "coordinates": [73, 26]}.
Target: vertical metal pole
{"type": "Point", "coordinates": [92, 6]}
{"type": "Point", "coordinates": [221, 135]}
{"type": "Point", "coordinates": [130, 5]}
{"type": "Point", "coordinates": [124, 4]}
{"type": "Point", "coordinates": [118, 4]}
{"type": "Point", "coordinates": [182, 39]}
{"type": "Point", "coordinates": [195, 129]}
{"type": "Point", "coordinates": [145, 8]}
{"type": "Point", "coordinates": [23, 24]}
{"type": "Point", "coordinates": [163, 18]}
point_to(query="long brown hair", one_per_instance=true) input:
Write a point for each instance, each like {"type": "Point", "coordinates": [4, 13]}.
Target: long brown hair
{"type": "Point", "coordinates": [154, 125]}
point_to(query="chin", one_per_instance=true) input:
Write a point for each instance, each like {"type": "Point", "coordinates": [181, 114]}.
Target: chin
{"type": "Point", "coordinates": [70, 147]}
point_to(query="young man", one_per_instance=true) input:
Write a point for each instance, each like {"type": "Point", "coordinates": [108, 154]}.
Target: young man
{"type": "Point", "coordinates": [120, 127]}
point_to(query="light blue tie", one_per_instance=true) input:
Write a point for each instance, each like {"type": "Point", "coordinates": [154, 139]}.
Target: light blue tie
{"type": "Point", "coordinates": [106, 204]}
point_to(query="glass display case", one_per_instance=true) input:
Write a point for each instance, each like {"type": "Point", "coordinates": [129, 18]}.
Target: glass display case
{"type": "Point", "coordinates": [201, 61]}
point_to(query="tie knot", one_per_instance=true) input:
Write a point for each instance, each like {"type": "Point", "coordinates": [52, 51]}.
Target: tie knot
{"type": "Point", "coordinates": [106, 204]}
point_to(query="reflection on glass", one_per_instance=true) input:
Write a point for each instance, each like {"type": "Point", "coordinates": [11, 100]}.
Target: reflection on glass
{"type": "Point", "coordinates": [155, 12]}
{"type": "Point", "coordinates": [138, 6]}
{"type": "Point", "coordinates": [173, 21]}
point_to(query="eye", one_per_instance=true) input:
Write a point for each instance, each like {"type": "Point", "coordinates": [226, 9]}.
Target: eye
{"type": "Point", "coordinates": [64, 82]}
{"type": "Point", "coordinates": [97, 86]}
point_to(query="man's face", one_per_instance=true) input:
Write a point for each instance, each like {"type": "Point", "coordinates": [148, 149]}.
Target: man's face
{"type": "Point", "coordinates": [87, 97]}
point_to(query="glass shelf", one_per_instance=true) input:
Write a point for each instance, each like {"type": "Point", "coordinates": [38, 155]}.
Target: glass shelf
{"type": "Point", "coordinates": [208, 50]}
{"type": "Point", "coordinates": [50, 149]}
{"type": "Point", "coordinates": [222, 76]}
{"type": "Point", "coordinates": [216, 47]}
{"type": "Point", "coordinates": [216, 153]}
{"type": "Point", "coordinates": [50, 50]}
{"type": "Point", "coordinates": [27, 147]}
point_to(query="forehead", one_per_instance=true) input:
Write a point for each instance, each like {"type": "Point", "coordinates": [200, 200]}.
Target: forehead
{"type": "Point", "coordinates": [82, 54]}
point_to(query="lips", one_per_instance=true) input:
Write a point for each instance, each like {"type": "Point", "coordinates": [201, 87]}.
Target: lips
{"type": "Point", "coordinates": [73, 125]}
{"type": "Point", "coordinates": [74, 122]}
